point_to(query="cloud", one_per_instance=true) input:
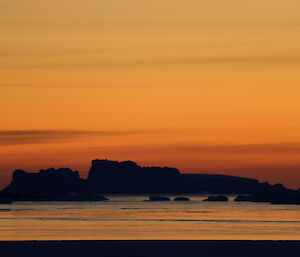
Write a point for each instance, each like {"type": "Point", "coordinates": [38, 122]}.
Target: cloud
{"type": "Point", "coordinates": [274, 148]}
{"type": "Point", "coordinates": [274, 59]}
{"type": "Point", "coordinates": [34, 52]}
{"type": "Point", "coordinates": [49, 86]}
{"type": "Point", "coordinates": [213, 150]}
{"type": "Point", "coordinates": [73, 87]}
{"type": "Point", "coordinates": [24, 85]}
{"type": "Point", "coordinates": [20, 137]}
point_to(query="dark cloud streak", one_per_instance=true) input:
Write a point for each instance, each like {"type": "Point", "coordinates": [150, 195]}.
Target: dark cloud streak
{"type": "Point", "coordinates": [245, 148]}
{"type": "Point", "coordinates": [212, 150]}
{"type": "Point", "coordinates": [21, 137]}
{"type": "Point", "coordinates": [275, 59]}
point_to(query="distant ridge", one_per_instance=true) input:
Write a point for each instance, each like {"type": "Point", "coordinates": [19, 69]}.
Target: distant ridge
{"type": "Point", "coordinates": [127, 177]}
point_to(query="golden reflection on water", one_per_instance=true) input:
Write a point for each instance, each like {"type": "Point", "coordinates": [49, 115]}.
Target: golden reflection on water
{"type": "Point", "coordinates": [132, 218]}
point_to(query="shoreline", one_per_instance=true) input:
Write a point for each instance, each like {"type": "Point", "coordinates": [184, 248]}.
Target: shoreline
{"type": "Point", "coordinates": [149, 248]}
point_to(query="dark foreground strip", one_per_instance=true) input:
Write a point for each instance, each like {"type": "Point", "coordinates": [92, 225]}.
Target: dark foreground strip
{"type": "Point", "coordinates": [149, 248]}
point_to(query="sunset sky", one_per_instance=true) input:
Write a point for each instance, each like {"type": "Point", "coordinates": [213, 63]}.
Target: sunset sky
{"type": "Point", "coordinates": [204, 86]}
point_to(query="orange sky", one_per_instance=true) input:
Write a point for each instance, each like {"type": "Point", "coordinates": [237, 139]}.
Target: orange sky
{"type": "Point", "coordinates": [205, 86]}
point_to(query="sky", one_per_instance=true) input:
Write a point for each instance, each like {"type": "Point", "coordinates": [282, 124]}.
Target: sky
{"type": "Point", "coordinates": [204, 86]}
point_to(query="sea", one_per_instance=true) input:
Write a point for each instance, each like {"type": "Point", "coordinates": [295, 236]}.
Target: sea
{"type": "Point", "coordinates": [126, 217]}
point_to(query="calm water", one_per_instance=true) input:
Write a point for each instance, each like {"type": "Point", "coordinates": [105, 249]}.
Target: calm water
{"type": "Point", "coordinates": [131, 218]}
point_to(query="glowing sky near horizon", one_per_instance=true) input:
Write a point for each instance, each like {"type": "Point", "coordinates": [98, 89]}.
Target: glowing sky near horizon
{"type": "Point", "coordinates": [205, 86]}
